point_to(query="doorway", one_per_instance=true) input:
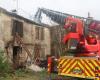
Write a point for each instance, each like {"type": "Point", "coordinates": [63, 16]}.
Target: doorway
{"type": "Point", "coordinates": [17, 50]}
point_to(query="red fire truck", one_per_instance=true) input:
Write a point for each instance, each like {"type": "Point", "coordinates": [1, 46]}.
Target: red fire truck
{"type": "Point", "coordinates": [85, 64]}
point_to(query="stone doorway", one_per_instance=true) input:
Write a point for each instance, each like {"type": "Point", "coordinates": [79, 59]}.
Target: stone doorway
{"type": "Point", "coordinates": [17, 50]}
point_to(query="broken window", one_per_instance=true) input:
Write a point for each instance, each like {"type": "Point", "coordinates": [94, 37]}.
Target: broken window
{"type": "Point", "coordinates": [37, 32]}
{"type": "Point", "coordinates": [42, 34]}
{"type": "Point", "coordinates": [17, 28]}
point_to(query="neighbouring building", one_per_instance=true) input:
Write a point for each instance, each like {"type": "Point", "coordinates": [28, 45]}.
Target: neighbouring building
{"type": "Point", "coordinates": [35, 38]}
{"type": "Point", "coordinates": [57, 47]}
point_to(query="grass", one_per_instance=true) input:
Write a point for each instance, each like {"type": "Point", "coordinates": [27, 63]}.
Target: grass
{"type": "Point", "coordinates": [25, 75]}
{"type": "Point", "coordinates": [7, 73]}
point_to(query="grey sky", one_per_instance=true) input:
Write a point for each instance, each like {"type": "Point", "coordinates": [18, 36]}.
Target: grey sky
{"type": "Point", "coordinates": [75, 7]}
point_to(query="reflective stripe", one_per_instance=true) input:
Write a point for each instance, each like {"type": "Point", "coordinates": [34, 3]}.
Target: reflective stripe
{"type": "Point", "coordinates": [84, 67]}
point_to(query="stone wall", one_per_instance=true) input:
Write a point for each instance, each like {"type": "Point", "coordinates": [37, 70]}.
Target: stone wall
{"type": "Point", "coordinates": [29, 35]}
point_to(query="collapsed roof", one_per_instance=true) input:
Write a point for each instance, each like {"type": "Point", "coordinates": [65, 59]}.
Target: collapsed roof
{"type": "Point", "coordinates": [54, 16]}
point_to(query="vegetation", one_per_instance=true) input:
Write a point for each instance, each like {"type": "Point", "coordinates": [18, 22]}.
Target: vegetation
{"type": "Point", "coordinates": [4, 65]}
{"type": "Point", "coordinates": [25, 75]}
{"type": "Point", "coordinates": [57, 34]}
{"type": "Point", "coordinates": [7, 73]}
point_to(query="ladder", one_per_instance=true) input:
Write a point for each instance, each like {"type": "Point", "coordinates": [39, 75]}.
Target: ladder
{"type": "Point", "coordinates": [20, 42]}
{"type": "Point", "coordinates": [36, 57]}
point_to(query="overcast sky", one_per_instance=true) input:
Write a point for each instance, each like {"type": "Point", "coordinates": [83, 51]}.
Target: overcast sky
{"type": "Point", "coordinates": [75, 7]}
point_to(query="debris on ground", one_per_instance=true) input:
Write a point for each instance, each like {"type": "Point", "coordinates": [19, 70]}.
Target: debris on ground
{"type": "Point", "coordinates": [35, 68]}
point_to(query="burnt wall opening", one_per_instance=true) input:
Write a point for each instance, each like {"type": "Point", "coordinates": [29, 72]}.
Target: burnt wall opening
{"type": "Point", "coordinates": [16, 50]}
{"type": "Point", "coordinates": [17, 28]}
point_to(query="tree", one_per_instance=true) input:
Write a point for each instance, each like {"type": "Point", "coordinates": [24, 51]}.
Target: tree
{"type": "Point", "coordinates": [57, 47]}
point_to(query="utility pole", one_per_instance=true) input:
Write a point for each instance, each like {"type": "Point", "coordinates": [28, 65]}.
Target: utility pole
{"type": "Point", "coordinates": [17, 5]}
{"type": "Point", "coordinates": [89, 16]}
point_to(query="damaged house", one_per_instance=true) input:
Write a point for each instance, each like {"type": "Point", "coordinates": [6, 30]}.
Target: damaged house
{"type": "Point", "coordinates": [22, 38]}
